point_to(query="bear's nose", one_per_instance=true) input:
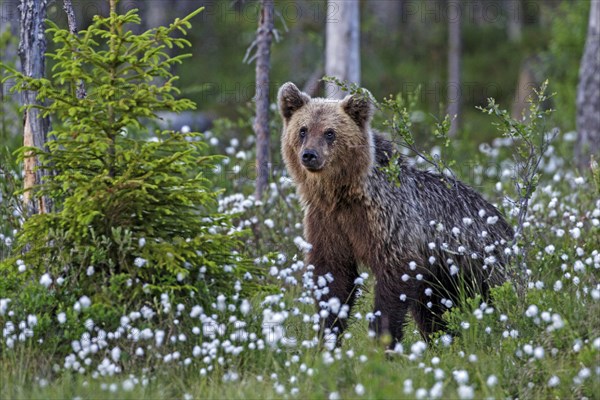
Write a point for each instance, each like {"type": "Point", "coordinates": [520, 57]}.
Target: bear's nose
{"type": "Point", "coordinates": [309, 156]}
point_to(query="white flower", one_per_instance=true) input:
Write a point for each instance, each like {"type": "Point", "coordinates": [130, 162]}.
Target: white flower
{"type": "Point", "coordinates": [196, 311]}
{"type": "Point", "coordinates": [85, 302]}
{"type": "Point", "coordinates": [62, 318]}
{"type": "Point", "coordinates": [421, 393]}
{"type": "Point", "coordinates": [553, 381]}
{"type": "Point", "coordinates": [32, 320]}
{"type": "Point", "coordinates": [128, 385]}
{"type": "Point", "coordinates": [465, 392]}
{"type": "Point", "coordinates": [539, 285]}
{"type": "Point", "coordinates": [492, 220]}
{"type": "Point", "coordinates": [302, 244]}
{"type": "Point", "coordinates": [584, 373]}
{"type": "Point", "coordinates": [491, 381]}
{"type": "Point", "coordinates": [245, 307]}
{"type": "Point", "coordinates": [558, 286]}
{"type": "Point", "coordinates": [46, 280]}
{"type": "Point", "coordinates": [115, 354]}
{"type": "Point", "coordinates": [359, 389]}
{"type": "Point", "coordinates": [139, 262]}
{"type": "Point", "coordinates": [446, 340]}
{"type": "Point", "coordinates": [408, 387]}
{"type": "Point", "coordinates": [436, 391]}
{"type": "Point", "coordinates": [557, 321]}
{"type": "Point", "coordinates": [22, 266]}
{"type": "Point", "coordinates": [90, 271]}
{"type": "Point", "coordinates": [461, 376]}
{"type": "Point", "coordinates": [532, 311]}
{"type": "Point", "coordinates": [418, 348]}
{"type": "Point", "coordinates": [4, 305]}
{"type": "Point", "coordinates": [279, 389]}
{"type": "Point", "coordinates": [575, 233]}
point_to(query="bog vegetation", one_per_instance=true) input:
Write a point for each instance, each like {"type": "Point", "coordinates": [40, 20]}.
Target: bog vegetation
{"type": "Point", "coordinates": [159, 275]}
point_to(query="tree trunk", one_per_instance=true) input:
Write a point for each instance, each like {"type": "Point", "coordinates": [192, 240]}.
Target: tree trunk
{"type": "Point", "coordinates": [454, 60]}
{"type": "Point", "coordinates": [514, 20]}
{"type": "Point", "coordinates": [32, 49]}
{"type": "Point", "coordinates": [342, 50]}
{"type": "Point", "coordinates": [388, 14]}
{"type": "Point", "coordinates": [588, 93]}
{"type": "Point", "coordinates": [263, 70]}
{"type": "Point", "coordinates": [68, 7]}
{"type": "Point", "coordinates": [528, 81]}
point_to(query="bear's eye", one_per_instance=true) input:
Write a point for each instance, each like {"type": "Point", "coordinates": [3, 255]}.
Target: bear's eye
{"type": "Point", "coordinates": [303, 132]}
{"type": "Point", "coordinates": [329, 135]}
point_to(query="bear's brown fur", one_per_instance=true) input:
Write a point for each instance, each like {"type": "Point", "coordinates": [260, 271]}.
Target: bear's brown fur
{"type": "Point", "coordinates": [419, 235]}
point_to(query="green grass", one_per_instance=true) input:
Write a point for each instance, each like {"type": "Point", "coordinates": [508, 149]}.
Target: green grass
{"type": "Point", "coordinates": [510, 343]}
{"type": "Point", "coordinates": [541, 341]}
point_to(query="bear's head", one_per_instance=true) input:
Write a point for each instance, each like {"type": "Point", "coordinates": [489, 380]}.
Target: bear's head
{"type": "Point", "coordinates": [326, 140]}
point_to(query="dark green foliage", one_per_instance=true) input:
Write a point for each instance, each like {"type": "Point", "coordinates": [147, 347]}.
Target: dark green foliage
{"type": "Point", "coordinates": [141, 212]}
{"type": "Point", "coordinates": [562, 57]}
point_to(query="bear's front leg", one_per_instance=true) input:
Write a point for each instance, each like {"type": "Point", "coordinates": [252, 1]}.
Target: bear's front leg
{"type": "Point", "coordinates": [334, 276]}
{"type": "Point", "coordinates": [392, 299]}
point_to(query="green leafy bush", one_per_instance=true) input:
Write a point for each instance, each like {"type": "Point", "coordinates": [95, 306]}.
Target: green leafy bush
{"type": "Point", "coordinates": [133, 217]}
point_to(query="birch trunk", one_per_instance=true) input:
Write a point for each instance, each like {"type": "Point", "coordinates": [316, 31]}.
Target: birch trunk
{"type": "Point", "coordinates": [454, 64]}
{"type": "Point", "coordinates": [263, 70]}
{"type": "Point", "coordinates": [588, 93]}
{"type": "Point", "coordinates": [32, 48]}
{"type": "Point", "coordinates": [342, 49]}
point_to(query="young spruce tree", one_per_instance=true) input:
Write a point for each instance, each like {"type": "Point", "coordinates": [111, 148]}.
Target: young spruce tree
{"type": "Point", "coordinates": [140, 212]}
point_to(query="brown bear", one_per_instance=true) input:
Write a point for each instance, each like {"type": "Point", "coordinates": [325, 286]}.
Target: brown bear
{"type": "Point", "coordinates": [426, 237]}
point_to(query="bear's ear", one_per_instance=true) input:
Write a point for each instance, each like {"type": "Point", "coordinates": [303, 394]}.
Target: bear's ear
{"type": "Point", "coordinates": [359, 107]}
{"type": "Point", "coordinates": [290, 100]}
